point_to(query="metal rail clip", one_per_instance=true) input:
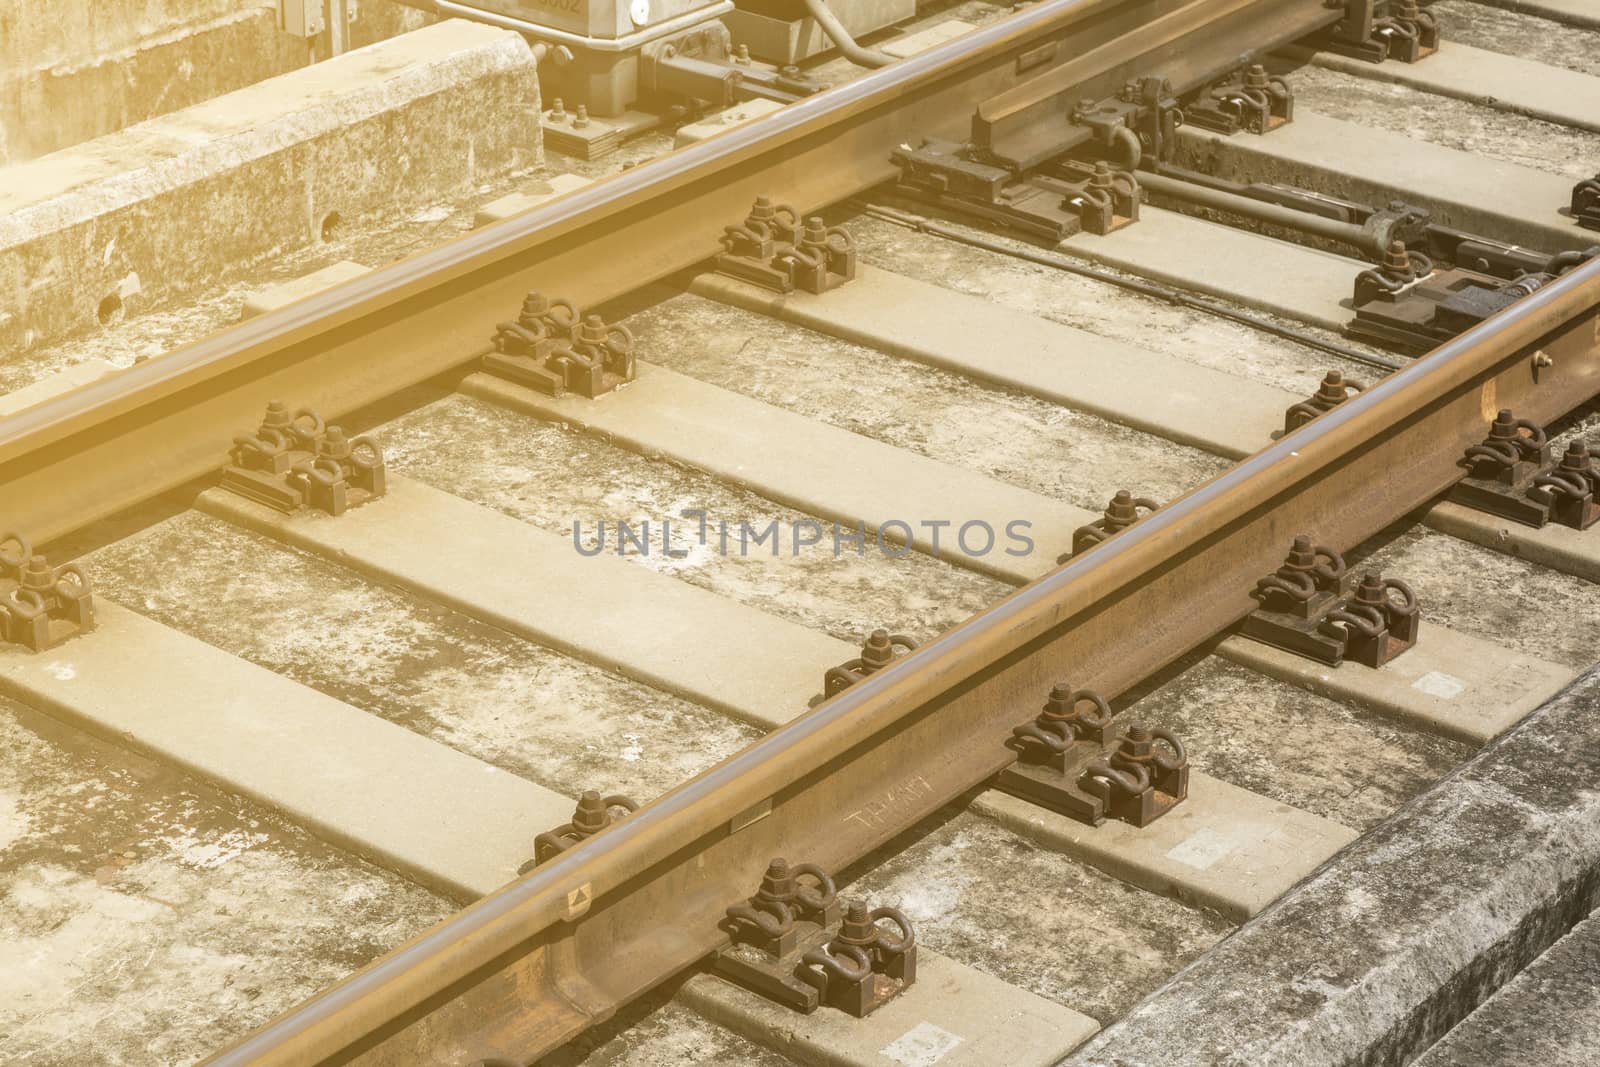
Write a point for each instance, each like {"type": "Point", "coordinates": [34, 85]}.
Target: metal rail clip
{"type": "Point", "coordinates": [1333, 391]}
{"type": "Point", "coordinates": [1511, 474]}
{"type": "Point", "coordinates": [40, 605]}
{"type": "Point", "coordinates": [593, 814]}
{"type": "Point", "coordinates": [1250, 100]}
{"type": "Point", "coordinates": [1586, 203]}
{"type": "Point", "coordinates": [877, 652]}
{"type": "Point", "coordinates": [299, 461]}
{"type": "Point", "coordinates": [1071, 760]}
{"type": "Point", "coordinates": [1123, 511]}
{"type": "Point", "coordinates": [1376, 30]}
{"type": "Point", "coordinates": [1307, 607]}
{"type": "Point", "coordinates": [773, 249]}
{"type": "Point", "coordinates": [553, 348]}
{"type": "Point", "coordinates": [793, 944]}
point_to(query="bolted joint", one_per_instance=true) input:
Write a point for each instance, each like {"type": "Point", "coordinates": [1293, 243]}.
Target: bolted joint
{"type": "Point", "coordinates": [864, 966]}
{"type": "Point", "coordinates": [1308, 607]}
{"type": "Point", "coordinates": [1145, 777]}
{"type": "Point", "coordinates": [554, 348]}
{"type": "Point", "coordinates": [298, 461]}
{"type": "Point", "coordinates": [1585, 206]}
{"type": "Point", "coordinates": [1571, 488]}
{"type": "Point", "coordinates": [1398, 269]}
{"type": "Point", "coordinates": [1123, 511]}
{"type": "Point", "coordinates": [1334, 390]}
{"type": "Point", "coordinates": [1071, 719]}
{"type": "Point", "coordinates": [1249, 100]}
{"type": "Point", "coordinates": [774, 249]}
{"type": "Point", "coordinates": [592, 814]}
{"type": "Point", "coordinates": [793, 943]}
{"type": "Point", "coordinates": [40, 605]}
{"type": "Point", "coordinates": [880, 649]}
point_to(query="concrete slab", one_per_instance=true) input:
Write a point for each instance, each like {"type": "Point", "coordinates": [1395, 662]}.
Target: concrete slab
{"type": "Point", "coordinates": [1407, 930]}
{"type": "Point", "coordinates": [1344, 159]}
{"type": "Point", "coordinates": [530, 198]}
{"type": "Point", "coordinates": [1561, 548]}
{"type": "Point", "coordinates": [1223, 848]}
{"type": "Point", "coordinates": [95, 66]}
{"type": "Point", "coordinates": [600, 608]}
{"type": "Point", "coordinates": [817, 468]}
{"type": "Point", "coordinates": [1450, 683]}
{"type": "Point", "coordinates": [90, 370]}
{"type": "Point", "coordinates": [153, 211]}
{"type": "Point", "coordinates": [971, 336]}
{"type": "Point", "coordinates": [1538, 90]}
{"type": "Point", "coordinates": [1571, 12]}
{"type": "Point", "coordinates": [726, 119]}
{"type": "Point", "coordinates": [954, 1016]}
{"type": "Point", "coordinates": [276, 296]}
{"type": "Point", "coordinates": [1207, 257]}
{"type": "Point", "coordinates": [435, 815]}
{"type": "Point", "coordinates": [1548, 1015]}
{"type": "Point", "coordinates": [930, 37]}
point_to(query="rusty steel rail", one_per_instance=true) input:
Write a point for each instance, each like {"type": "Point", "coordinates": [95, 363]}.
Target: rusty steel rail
{"type": "Point", "coordinates": [108, 445]}
{"type": "Point", "coordinates": [521, 971]}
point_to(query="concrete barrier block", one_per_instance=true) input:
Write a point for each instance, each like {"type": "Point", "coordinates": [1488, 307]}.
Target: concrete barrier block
{"type": "Point", "coordinates": [162, 208]}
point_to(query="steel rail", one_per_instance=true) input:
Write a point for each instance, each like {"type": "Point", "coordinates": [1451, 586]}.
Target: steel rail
{"type": "Point", "coordinates": [109, 445]}
{"type": "Point", "coordinates": [519, 972]}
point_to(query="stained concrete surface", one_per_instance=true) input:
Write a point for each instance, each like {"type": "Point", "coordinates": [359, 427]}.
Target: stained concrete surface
{"type": "Point", "coordinates": [1489, 594]}
{"type": "Point", "coordinates": [1328, 758]}
{"type": "Point", "coordinates": [996, 902]}
{"type": "Point", "coordinates": [144, 920]}
{"type": "Point", "coordinates": [1548, 1015]}
{"type": "Point", "coordinates": [94, 230]}
{"type": "Point", "coordinates": [1516, 34]}
{"type": "Point", "coordinates": [1010, 436]}
{"type": "Point", "coordinates": [561, 723]}
{"type": "Point", "coordinates": [1099, 307]}
{"type": "Point", "coordinates": [95, 66]}
{"type": "Point", "coordinates": [1422, 116]}
{"type": "Point", "coordinates": [549, 477]}
{"type": "Point", "coordinates": [1405, 932]}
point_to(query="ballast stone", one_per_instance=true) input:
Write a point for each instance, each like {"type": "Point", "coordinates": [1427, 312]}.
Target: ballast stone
{"type": "Point", "coordinates": [179, 202]}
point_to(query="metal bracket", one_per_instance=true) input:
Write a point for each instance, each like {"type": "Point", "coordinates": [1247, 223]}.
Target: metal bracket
{"type": "Point", "coordinates": [1307, 608]}
{"type": "Point", "coordinates": [1123, 511]}
{"type": "Point", "coordinates": [298, 461]}
{"type": "Point", "coordinates": [774, 250]}
{"type": "Point", "coordinates": [593, 814]}
{"type": "Point", "coordinates": [1511, 474]}
{"type": "Point", "coordinates": [1333, 391]}
{"type": "Point", "coordinates": [877, 652]}
{"type": "Point", "coordinates": [1407, 300]}
{"type": "Point", "coordinates": [1586, 203]}
{"type": "Point", "coordinates": [1250, 100]}
{"type": "Point", "coordinates": [1376, 30]}
{"type": "Point", "coordinates": [40, 605]}
{"type": "Point", "coordinates": [1071, 761]}
{"type": "Point", "coordinates": [1068, 198]}
{"type": "Point", "coordinates": [553, 348]}
{"type": "Point", "coordinates": [792, 945]}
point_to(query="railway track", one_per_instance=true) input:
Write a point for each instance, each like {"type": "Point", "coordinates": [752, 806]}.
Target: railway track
{"type": "Point", "coordinates": [546, 597]}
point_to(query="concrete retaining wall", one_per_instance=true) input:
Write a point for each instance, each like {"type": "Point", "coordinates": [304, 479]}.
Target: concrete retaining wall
{"type": "Point", "coordinates": [73, 70]}
{"type": "Point", "coordinates": [167, 206]}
